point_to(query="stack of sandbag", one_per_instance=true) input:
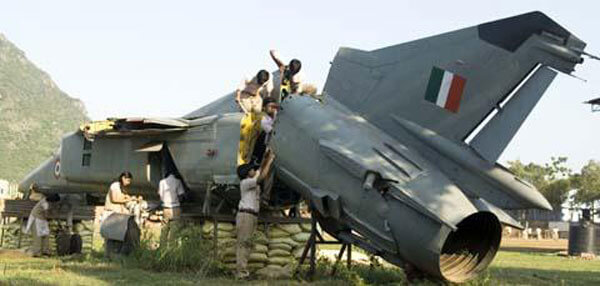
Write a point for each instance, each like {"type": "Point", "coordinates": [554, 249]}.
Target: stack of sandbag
{"type": "Point", "coordinates": [277, 248]}
{"type": "Point", "coordinates": [12, 230]}
{"type": "Point", "coordinates": [226, 244]}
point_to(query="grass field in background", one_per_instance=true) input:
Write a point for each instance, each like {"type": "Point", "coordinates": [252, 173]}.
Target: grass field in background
{"type": "Point", "coordinates": [509, 267]}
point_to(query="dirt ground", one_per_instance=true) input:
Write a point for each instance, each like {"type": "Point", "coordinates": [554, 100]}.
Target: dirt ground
{"type": "Point", "coordinates": [534, 245]}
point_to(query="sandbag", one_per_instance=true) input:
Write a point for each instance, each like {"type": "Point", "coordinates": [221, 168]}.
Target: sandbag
{"type": "Point", "coordinates": [280, 260]}
{"type": "Point", "coordinates": [260, 248]}
{"type": "Point", "coordinates": [290, 228]}
{"type": "Point", "coordinates": [226, 242]}
{"type": "Point", "coordinates": [306, 227]}
{"type": "Point", "coordinates": [258, 257]}
{"type": "Point", "coordinates": [207, 228]}
{"type": "Point", "coordinates": [254, 257]}
{"type": "Point", "coordinates": [282, 246]}
{"type": "Point", "coordinates": [225, 226]}
{"type": "Point", "coordinates": [275, 272]}
{"type": "Point", "coordinates": [279, 253]}
{"type": "Point", "coordinates": [260, 238]}
{"type": "Point", "coordinates": [286, 240]}
{"type": "Point", "coordinates": [230, 266]}
{"type": "Point", "coordinates": [277, 233]}
{"type": "Point", "coordinates": [251, 266]}
{"type": "Point", "coordinates": [228, 252]}
{"type": "Point", "coordinates": [255, 266]}
{"type": "Point", "coordinates": [301, 237]}
{"type": "Point", "coordinates": [225, 234]}
{"type": "Point", "coordinates": [297, 252]}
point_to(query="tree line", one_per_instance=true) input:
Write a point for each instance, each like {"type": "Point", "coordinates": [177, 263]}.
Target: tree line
{"type": "Point", "coordinates": [554, 180]}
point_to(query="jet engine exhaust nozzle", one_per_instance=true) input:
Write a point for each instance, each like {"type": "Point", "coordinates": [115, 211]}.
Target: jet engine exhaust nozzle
{"type": "Point", "coordinates": [471, 248]}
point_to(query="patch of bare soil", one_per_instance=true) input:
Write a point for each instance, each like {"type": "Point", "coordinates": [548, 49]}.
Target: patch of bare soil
{"type": "Point", "coordinates": [534, 245]}
{"type": "Point", "coordinates": [12, 254]}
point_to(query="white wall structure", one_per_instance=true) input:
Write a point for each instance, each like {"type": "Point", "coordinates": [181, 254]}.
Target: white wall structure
{"type": "Point", "coordinates": [572, 211]}
{"type": "Point", "coordinates": [7, 190]}
{"type": "Point", "coordinates": [4, 188]}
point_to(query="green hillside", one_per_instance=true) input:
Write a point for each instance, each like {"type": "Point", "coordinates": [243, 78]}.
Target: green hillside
{"type": "Point", "coordinates": [34, 113]}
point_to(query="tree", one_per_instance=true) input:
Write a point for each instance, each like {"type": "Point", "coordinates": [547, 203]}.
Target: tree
{"type": "Point", "coordinates": [552, 179]}
{"type": "Point", "coordinates": [588, 183]}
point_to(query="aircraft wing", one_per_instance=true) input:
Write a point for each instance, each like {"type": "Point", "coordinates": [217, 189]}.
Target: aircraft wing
{"type": "Point", "coordinates": [133, 126]}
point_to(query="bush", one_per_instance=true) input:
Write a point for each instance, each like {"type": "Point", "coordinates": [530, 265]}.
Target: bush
{"type": "Point", "coordinates": [360, 274]}
{"type": "Point", "coordinates": [186, 252]}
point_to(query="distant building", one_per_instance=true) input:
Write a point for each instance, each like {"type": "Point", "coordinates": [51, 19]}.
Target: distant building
{"type": "Point", "coordinates": [570, 211]}
{"type": "Point", "coordinates": [4, 188]}
{"type": "Point", "coordinates": [7, 190]}
{"type": "Point", "coordinates": [573, 211]}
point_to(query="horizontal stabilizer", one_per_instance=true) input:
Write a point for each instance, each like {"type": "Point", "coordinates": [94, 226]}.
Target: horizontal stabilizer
{"type": "Point", "coordinates": [491, 141]}
{"type": "Point", "coordinates": [503, 217]}
{"type": "Point", "coordinates": [464, 157]}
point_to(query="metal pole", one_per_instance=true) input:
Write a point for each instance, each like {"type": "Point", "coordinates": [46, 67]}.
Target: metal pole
{"type": "Point", "coordinates": [215, 237]}
{"type": "Point", "coordinates": [92, 234]}
{"type": "Point", "coordinates": [338, 258]}
{"type": "Point", "coordinates": [2, 236]}
{"type": "Point", "coordinates": [310, 241]}
{"type": "Point", "coordinates": [313, 247]}
{"type": "Point", "coordinates": [207, 199]}
{"type": "Point", "coordinates": [349, 255]}
{"type": "Point", "coordinates": [20, 233]}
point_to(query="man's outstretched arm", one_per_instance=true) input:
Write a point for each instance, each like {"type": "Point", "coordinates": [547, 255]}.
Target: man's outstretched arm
{"type": "Point", "coordinates": [276, 59]}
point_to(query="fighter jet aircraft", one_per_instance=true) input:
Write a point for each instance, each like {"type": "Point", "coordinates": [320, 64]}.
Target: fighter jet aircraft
{"type": "Point", "coordinates": [398, 156]}
{"type": "Point", "coordinates": [594, 103]}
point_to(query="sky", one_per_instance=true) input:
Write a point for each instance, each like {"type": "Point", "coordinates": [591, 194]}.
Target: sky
{"type": "Point", "coordinates": [168, 58]}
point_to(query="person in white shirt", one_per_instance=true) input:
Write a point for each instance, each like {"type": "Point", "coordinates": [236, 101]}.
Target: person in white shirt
{"type": "Point", "coordinates": [248, 209]}
{"type": "Point", "coordinates": [171, 192]}
{"type": "Point", "coordinates": [37, 225]}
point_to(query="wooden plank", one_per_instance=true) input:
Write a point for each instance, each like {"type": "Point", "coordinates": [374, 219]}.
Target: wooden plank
{"type": "Point", "coordinates": [22, 209]}
{"type": "Point", "coordinates": [261, 219]}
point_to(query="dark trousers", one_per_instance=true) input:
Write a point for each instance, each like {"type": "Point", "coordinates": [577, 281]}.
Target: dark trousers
{"type": "Point", "coordinates": [259, 148]}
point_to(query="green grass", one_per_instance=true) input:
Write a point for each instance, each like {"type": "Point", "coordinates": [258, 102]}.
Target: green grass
{"type": "Point", "coordinates": [22, 270]}
{"type": "Point", "coordinates": [509, 268]}
{"type": "Point", "coordinates": [541, 269]}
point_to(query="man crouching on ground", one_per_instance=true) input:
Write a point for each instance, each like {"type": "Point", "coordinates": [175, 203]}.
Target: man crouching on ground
{"type": "Point", "coordinates": [247, 216]}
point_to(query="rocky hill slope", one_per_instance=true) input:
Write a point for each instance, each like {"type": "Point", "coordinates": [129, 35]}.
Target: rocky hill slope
{"type": "Point", "coordinates": [34, 113]}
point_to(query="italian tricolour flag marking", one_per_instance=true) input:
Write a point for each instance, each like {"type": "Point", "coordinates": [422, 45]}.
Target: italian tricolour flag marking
{"type": "Point", "coordinates": [445, 89]}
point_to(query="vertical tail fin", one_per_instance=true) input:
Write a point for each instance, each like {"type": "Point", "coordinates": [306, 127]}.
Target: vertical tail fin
{"type": "Point", "coordinates": [449, 83]}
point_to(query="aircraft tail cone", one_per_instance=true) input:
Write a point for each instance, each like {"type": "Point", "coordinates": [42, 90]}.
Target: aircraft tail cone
{"type": "Point", "coordinates": [471, 248]}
